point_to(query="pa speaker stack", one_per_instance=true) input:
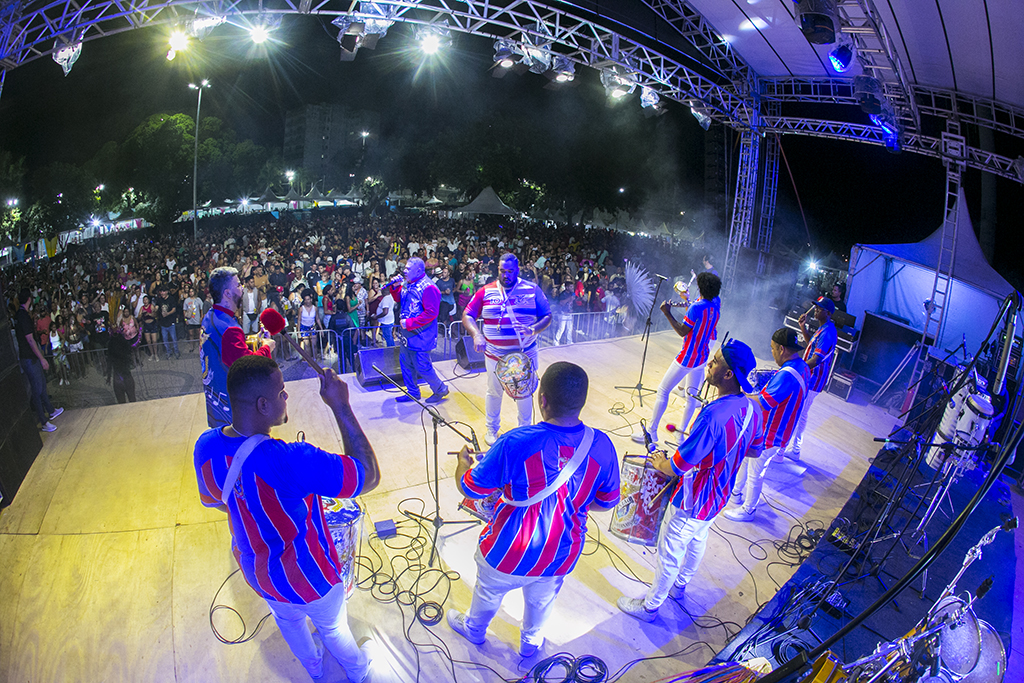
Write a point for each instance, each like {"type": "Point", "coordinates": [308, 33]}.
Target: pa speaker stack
{"type": "Point", "coordinates": [468, 357]}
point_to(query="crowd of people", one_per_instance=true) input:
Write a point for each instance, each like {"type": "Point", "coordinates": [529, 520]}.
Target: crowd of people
{"type": "Point", "coordinates": [320, 271]}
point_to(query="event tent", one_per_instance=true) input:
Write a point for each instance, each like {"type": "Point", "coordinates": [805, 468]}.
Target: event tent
{"type": "Point", "coordinates": [895, 280]}
{"type": "Point", "coordinates": [487, 202]}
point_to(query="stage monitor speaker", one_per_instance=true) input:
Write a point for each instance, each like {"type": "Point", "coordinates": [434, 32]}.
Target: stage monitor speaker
{"type": "Point", "coordinates": [386, 359]}
{"type": "Point", "coordinates": [468, 357]}
{"type": "Point", "coordinates": [19, 435]}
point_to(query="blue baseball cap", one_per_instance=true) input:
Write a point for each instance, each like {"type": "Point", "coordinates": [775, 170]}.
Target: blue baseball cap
{"type": "Point", "coordinates": [740, 360]}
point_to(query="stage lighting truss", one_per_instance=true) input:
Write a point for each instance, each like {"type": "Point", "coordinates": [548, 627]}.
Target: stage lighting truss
{"type": "Point", "coordinates": [66, 53]}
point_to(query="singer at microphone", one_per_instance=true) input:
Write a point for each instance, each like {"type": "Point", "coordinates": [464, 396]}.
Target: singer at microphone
{"type": "Point", "coordinates": [419, 300]}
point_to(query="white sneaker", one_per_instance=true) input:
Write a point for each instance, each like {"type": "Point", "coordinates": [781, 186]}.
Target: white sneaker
{"type": "Point", "coordinates": [638, 436]}
{"type": "Point", "coordinates": [635, 608]}
{"type": "Point", "coordinates": [490, 437]}
{"type": "Point", "coordinates": [739, 514]}
{"type": "Point", "coordinates": [57, 412]}
{"type": "Point", "coordinates": [48, 427]}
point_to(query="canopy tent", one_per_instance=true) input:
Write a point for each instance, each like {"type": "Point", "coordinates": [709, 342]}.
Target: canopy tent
{"type": "Point", "coordinates": [895, 281]}
{"type": "Point", "coordinates": [434, 201]}
{"type": "Point", "coordinates": [268, 197]}
{"type": "Point", "coordinates": [315, 195]}
{"type": "Point", "coordinates": [487, 202]}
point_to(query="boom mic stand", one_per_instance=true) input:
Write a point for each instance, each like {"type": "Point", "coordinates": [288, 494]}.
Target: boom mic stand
{"type": "Point", "coordinates": [436, 520]}
{"type": "Point", "coordinates": [646, 336]}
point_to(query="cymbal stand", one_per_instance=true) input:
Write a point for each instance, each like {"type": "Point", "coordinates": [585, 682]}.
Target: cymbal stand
{"type": "Point", "coordinates": [436, 520]}
{"type": "Point", "coordinates": [975, 554]}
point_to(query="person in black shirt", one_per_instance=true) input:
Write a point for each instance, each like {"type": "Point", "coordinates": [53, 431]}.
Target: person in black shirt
{"type": "Point", "coordinates": [119, 359]}
{"type": "Point", "coordinates": [33, 364]}
{"type": "Point", "coordinates": [168, 323]}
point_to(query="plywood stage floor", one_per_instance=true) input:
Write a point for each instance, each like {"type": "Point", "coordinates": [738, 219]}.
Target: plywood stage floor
{"type": "Point", "coordinates": [109, 563]}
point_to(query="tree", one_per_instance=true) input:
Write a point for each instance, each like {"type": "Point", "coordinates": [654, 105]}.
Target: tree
{"type": "Point", "coordinates": [374, 192]}
{"type": "Point", "coordinates": [156, 161]}
{"type": "Point", "coordinates": [64, 200]}
{"type": "Point", "coordinates": [12, 176]}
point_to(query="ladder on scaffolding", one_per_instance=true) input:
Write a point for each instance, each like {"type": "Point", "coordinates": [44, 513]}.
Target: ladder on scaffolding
{"type": "Point", "coordinates": [953, 152]}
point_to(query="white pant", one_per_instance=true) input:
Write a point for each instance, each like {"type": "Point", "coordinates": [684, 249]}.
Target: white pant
{"type": "Point", "coordinates": [797, 440]}
{"type": "Point", "coordinates": [250, 323]}
{"type": "Point", "coordinates": [565, 327]}
{"type": "Point", "coordinates": [495, 392]}
{"type": "Point", "coordinates": [539, 593]}
{"type": "Point", "coordinates": [682, 541]}
{"type": "Point", "coordinates": [330, 617]}
{"type": "Point", "coordinates": [750, 478]}
{"type": "Point", "coordinates": [691, 379]}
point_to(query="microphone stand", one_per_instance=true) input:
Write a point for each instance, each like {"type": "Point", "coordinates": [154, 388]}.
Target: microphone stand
{"type": "Point", "coordinates": [646, 336]}
{"type": "Point", "coordinates": [436, 520]}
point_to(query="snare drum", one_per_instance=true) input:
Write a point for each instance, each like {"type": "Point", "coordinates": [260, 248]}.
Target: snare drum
{"type": "Point", "coordinates": [344, 517]}
{"type": "Point", "coordinates": [644, 495]}
{"type": "Point", "coordinates": [960, 641]}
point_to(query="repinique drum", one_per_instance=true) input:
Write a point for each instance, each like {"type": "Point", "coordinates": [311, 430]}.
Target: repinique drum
{"type": "Point", "coordinates": [991, 664]}
{"type": "Point", "coordinates": [481, 508]}
{"type": "Point", "coordinates": [644, 493]}
{"type": "Point", "coordinates": [343, 516]}
{"type": "Point", "coordinates": [969, 424]}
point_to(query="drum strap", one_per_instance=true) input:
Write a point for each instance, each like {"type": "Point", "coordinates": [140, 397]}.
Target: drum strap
{"type": "Point", "coordinates": [236, 464]}
{"type": "Point", "coordinates": [799, 378]}
{"type": "Point", "coordinates": [570, 469]}
{"type": "Point", "coordinates": [689, 474]}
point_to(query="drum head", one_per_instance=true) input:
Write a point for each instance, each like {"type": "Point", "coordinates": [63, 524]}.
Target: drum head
{"type": "Point", "coordinates": [992, 663]}
{"type": "Point", "coordinates": [960, 639]}
{"type": "Point", "coordinates": [980, 404]}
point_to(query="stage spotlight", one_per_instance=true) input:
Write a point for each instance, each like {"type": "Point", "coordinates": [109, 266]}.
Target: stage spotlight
{"type": "Point", "coordinates": [649, 99]}
{"type": "Point", "coordinates": [868, 92]}
{"type": "Point", "coordinates": [259, 34]}
{"type": "Point", "coordinates": [67, 55]}
{"type": "Point", "coordinates": [200, 27]}
{"type": "Point", "coordinates": [841, 57]}
{"type": "Point", "coordinates": [617, 83]}
{"type": "Point", "coordinates": [818, 20]}
{"type": "Point", "coordinates": [504, 53]}
{"type": "Point", "coordinates": [178, 42]}
{"type": "Point", "coordinates": [434, 38]}
{"type": "Point", "coordinates": [536, 49]}
{"type": "Point", "coordinates": [564, 69]}
{"type": "Point", "coordinates": [703, 119]}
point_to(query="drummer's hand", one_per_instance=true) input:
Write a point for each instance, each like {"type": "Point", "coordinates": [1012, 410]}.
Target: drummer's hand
{"type": "Point", "coordinates": [692, 274]}
{"type": "Point", "coordinates": [802, 319]}
{"type": "Point", "coordinates": [479, 343]}
{"type": "Point", "coordinates": [465, 458]}
{"type": "Point", "coordinates": [660, 461]}
{"type": "Point", "coordinates": [665, 307]}
{"type": "Point", "coordinates": [333, 389]}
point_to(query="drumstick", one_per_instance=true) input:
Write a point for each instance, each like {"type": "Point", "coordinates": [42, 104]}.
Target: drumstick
{"type": "Point", "coordinates": [274, 323]}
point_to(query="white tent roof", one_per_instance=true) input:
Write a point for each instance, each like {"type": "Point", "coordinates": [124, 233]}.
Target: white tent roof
{"type": "Point", "coordinates": [969, 264]}
{"type": "Point", "coordinates": [968, 46]}
{"type": "Point", "coordinates": [487, 202]}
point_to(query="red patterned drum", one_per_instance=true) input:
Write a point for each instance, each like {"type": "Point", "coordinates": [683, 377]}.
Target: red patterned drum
{"type": "Point", "coordinates": [481, 508]}
{"type": "Point", "coordinates": [644, 495]}
{"type": "Point", "coordinates": [344, 520]}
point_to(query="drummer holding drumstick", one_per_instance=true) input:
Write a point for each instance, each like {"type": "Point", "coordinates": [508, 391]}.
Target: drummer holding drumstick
{"type": "Point", "coordinates": [726, 431]}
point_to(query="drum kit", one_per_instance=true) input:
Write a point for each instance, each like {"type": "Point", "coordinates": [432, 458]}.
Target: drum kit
{"type": "Point", "coordinates": [949, 645]}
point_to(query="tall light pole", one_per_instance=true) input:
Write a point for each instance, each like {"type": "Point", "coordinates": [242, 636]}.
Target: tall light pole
{"type": "Point", "coordinates": [195, 159]}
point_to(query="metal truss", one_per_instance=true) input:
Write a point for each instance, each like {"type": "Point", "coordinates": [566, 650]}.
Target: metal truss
{"type": "Point", "coordinates": [977, 111]}
{"type": "Point", "coordinates": [695, 28]}
{"type": "Point", "coordinates": [980, 159]}
{"type": "Point", "coordinates": [769, 189]}
{"type": "Point", "coordinates": [877, 55]}
{"type": "Point", "coordinates": [743, 204]}
{"type": "Point", "coordinates": [35, 29]}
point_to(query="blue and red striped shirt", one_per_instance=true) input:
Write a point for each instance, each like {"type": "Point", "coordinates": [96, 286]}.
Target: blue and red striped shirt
{"type": "Point", "coordinates": [546, 538]}
{"type": "Point", "coordinates": [822, 345]}
{"type": "Point", "coordinates": [496, 310]}
{"type": "Point", "coordinates": [714, 450]}
{"type": "Point", "coordinates": [702, 318]}
{"type": "Point", "coordinates": [279, 535]}
{"type": "Point", "coordinates": [781, 401]}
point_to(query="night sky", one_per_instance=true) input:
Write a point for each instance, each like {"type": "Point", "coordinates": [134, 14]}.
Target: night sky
{"type": "Point", "coordinates": [851, 193]}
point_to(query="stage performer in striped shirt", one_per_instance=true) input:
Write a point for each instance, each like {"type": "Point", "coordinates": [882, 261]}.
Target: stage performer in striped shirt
{"type": "Point", "coordinates": [698, 329]}
{"type": "Point", "coordinates": [419, 301]}
{"type": "Point", "coordinates": [503, 317]}
{"type": "Point", "coordinates": [550, 474]}
{"type": "Point", "coordinates": [725, 433]}
{"type": "Point", "coordinates": [819, 355]}
{"type": "Point", "coordinates": [780, 402]}
{"type": "Point", "coordinates": [278, 532]}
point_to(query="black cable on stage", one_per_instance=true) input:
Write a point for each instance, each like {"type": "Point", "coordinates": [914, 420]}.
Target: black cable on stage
{"type": "Point", "coordinates": [214, 608]}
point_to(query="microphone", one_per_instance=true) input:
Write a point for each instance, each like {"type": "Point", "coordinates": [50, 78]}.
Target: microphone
{"type": "Point", "coordinates": [983, 588]}
{"type": "Point", "coordinates": [476, 444]}
{"type": "Point", "coordinates": [660, 277]}
{"type": "Point", "coordinates": [1004, 358]}
{"type": "Point", "coordinates": [274, 323]}
{"type": "Point", "coordinates": [1010, 524]}
{"type": "Point", "coordinates": [648, 444]}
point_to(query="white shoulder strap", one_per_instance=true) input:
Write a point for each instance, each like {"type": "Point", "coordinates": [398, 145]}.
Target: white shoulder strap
{"type": "Point", "coordinates": [799, 378]}
{"type": "Point", "coordinates": [563, 476]}
{"type": "Point", "coordinates": [236, 464]}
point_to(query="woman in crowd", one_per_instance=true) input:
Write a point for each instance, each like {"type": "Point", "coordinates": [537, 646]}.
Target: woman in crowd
{"type": "Point", "coordinates": [309, 321]}
{"type": "Point", "coordinates": [150, 327]}
{"type": "Point", "coordinates": [119, 358]}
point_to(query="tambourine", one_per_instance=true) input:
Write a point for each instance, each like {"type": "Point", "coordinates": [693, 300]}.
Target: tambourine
{"type": "Point", "coordinates": [517, 375]}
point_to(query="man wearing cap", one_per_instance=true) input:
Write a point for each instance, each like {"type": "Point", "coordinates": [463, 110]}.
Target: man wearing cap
{"type": "Point", "coordinates": [419, 299]}
{"type": "Point", "coordinates": [726, 433]}
{"type": "Point", "coordinates": [780, 402]}
{"type": "Point", "coordinates": [820, 354]}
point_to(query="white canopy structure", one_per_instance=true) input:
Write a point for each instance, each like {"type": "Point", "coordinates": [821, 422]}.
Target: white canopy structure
{"type": "Point", "coordinates": [895, 280]}
{"type": "Point", "coordinates": [487, 202]}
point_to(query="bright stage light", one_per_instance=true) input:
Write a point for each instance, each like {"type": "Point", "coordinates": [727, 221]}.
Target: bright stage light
{"type": "Point", "coordinates": [841, 57]}
{"type": "Point", "coordinates": [178, 42]}
{"type": "Point", "coordinates": [259, 34]}
{"type": "Point", "coordinates": [649, 98]}
{"type": "Point", "coordinates": [564, 69]}
{"type": "Point", "coordinates": [430, 43]}
{"type": "Point", "coordinates": [618, 81]}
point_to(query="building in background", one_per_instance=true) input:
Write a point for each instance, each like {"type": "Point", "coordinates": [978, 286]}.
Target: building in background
{"type": "Point", "coordinates": [328, 142]}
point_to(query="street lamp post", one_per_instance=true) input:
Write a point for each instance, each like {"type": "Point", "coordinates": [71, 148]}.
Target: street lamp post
{"type": "Point", "coordinates": [195, 159]}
